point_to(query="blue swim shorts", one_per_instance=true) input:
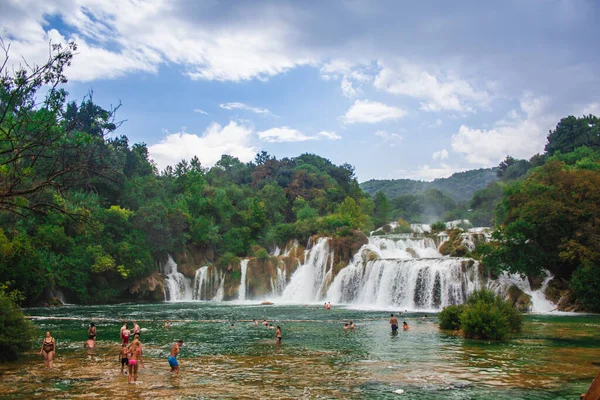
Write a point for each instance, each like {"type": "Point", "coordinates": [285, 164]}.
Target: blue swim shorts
{"type": "Point", "coordinates": [173, 361]}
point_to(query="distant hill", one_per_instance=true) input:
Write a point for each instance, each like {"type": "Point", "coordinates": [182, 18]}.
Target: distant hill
{"type": "Point", "coordinates": [460, 186]}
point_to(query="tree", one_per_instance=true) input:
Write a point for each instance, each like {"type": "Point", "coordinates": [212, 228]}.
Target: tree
{"type": "Point", "coordinates": [44, 148]}
{"type": "Point", "coordinates": [572, 132]}
{"type": "Point", "coordinates": [382, 210]}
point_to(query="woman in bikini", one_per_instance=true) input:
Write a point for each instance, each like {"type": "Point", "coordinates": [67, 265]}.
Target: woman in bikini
{"type": "Point", "coordinates": [134, 356]}
{"type": "Point", "coordinates": [92, 332]}
{"type": "Point", "coordinates": [48, 349]}
{"type": "Point", "coordinates": [278, 335]}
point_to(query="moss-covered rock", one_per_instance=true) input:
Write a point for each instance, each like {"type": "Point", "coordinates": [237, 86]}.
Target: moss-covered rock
{"type": "Point", "coordinates": [192, 258]}
{"type": "Point", "coordinates": [149, 287]}
{"type": "Point", "coordinates": [519, 299]}
{"type": "Point", "coordinates": [412, 252]}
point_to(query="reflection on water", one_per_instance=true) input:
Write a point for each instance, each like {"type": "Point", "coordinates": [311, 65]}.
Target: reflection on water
{"type": "Point", "coordinates": [551, 359]}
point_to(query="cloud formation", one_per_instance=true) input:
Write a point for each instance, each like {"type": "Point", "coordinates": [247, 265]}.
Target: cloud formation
{"type": "Point", "coordinates": [367, 111]}
{"type": "Point", "coordinates": [232, 139]}
{"type": "Point", "coordinates": [242, 106]}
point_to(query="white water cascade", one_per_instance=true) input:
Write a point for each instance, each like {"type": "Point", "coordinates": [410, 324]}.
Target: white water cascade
{"type": "Point", "coordinates": [242, 289]}
{"type": "Point", "coordinates": [308, 283]}
{"type": "Point", "coordinates": [539, 303]}
{"type": "Point", "coordinates": [177, 286]}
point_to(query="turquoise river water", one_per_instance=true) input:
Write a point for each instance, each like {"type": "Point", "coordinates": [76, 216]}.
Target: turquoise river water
{"type": "Point", "coordinates": [555, 357]}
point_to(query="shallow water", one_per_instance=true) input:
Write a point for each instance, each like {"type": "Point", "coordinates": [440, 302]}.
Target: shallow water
{"type": "Point", "coordinates": [551, 359]}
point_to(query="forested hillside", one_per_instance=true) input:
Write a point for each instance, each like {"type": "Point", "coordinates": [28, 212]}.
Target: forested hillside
{"type": "Point", "coordinates": [459, 187]}
{"type": "Point", "coordinates": [84, 211]}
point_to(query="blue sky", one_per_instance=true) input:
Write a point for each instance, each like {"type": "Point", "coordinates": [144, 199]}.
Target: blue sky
{"type": "Point", "coordinates": [399, 89]}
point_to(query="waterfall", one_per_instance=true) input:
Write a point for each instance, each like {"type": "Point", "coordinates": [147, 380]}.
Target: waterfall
{"type": "Point", "coordinates": [307, 283]}
{"type": "Point", "coordinates": [539, 303]}
{"type": "Point", "coordinates": [242, 289]}
{"type": "Point", "coordinates": [221, 291]}
{"type": "Point", "coordinates": [177, 286]}
{"type": "Point", "coordinates": [278, 284]}
{"type": "Point", "coordinates": [417, 284]}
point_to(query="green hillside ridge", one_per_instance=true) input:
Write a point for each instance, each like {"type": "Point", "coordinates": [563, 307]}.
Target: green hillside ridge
{"type": "Point", "coordinates": [460, 186]}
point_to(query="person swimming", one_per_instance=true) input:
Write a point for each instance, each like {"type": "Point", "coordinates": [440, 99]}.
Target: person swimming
{"type": "Point", "coordinates": [346, 327]}
{"type": "Point", "coordinates": [265, 323]}
{"type": "Point", "coordinates": [351, 325]}
{"type": "Point", "coordinates": [404, 326]}
{"type": "Point", "coordinates": [394, 323]}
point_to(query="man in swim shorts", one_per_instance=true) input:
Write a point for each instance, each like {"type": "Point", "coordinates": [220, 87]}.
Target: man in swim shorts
{"type": "Point", "coordinates": [173, 357]}
{"type": "Point", "coordinates": [394, 323]}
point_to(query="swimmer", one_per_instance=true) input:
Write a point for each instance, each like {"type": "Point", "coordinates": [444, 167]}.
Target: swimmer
{"type": "Point", "coordinates": [233, 325]}
{"type": "Point", "coordinates": [254, 322]}
{"type": "Point", "coordinates": [135, 351]}
{"type": "Point", "coordinates": [404, 326]}
{"type": "Point", "coordinates": [329, 306]}
{"type": "Point", "coordinates": [167, 324]}
{"type": "Point", "coordinates": [173, 357]}
{"type": "Point", "coordinates": [278, 335]}
{"type": "Point", "coordinates": [265, 323]}
{"type": "Point", "coordinates": [123, 356]}
{"type": "Point", "coordinates": [325, 306]}
{"type": "Point", "coordinates": [394, 323]}
{"type": "Point", "coordinates": [346, 327]}
{"type": "Point", "coordinates": [351, 325]}
{"type": "Point", "coordinates": [271, 326]}
{"type": "Point", "coordinates": [48, 349]}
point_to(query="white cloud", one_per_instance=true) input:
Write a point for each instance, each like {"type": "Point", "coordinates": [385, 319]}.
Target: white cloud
{"type": "Point", "coordinates": [116, 37]}
{"type": "Point", "coordinates": [242, 106]}
{"type": "Point", "coordinates": [282, 135]}
{"type": "Point", "coordinates": [593, 109]}
{"type": "Point", "coordinates": [232, 139]}
{"type": "Point", "coordinates": [427, 173]}
{"type": "Point", "coordinates": [199, 111]}
{"type": "Point", "coordinates": [438, 122]}
{"type": "Point", "coordinates": [436, 92]}
{"type": "Point", "coordinates": [347, 88]}
{"type": "Point", "coordinates": [329, 135]}
{"type": "Point", "coordinates": [441, 155]}
{"type": "Point", "coordinates": [518, 136]}
{"type": "Point", "coordinates": [389, 137]}
{"type": "Point", "coordinates": [285, 134]}
{"type": "Point", "coordinates": [368, 111]}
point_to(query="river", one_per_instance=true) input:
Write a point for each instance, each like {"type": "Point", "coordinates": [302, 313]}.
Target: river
{"type": "Point", "coordinates": [551, 359]}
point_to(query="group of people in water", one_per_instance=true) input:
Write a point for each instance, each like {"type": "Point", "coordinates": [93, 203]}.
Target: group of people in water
{"type": "Point", "coordinates": [130, 354]}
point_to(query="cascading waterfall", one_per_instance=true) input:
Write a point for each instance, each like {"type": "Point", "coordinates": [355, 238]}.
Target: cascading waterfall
{"type": "Point", "coordinates": [221, 291]}
{"type": "Point", "coordinates": [539, 302]}
{"type": "Point", "coordinates": [415, 284]}
{"type": "Point", "coordinates": [177, 286]}
{"type": "Point", "coordinates": [307, 283]}
{"type": "Point", "coordinates": [242, 289]}
{"type": "Point", "coordinates": [278, 284]}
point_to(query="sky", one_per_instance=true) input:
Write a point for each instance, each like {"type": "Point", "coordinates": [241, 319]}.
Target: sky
{"type": "Point", "coordinates": [399, 89]}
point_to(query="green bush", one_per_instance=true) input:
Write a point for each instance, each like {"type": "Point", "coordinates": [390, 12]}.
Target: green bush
{"type": "Point", "coordinates": [484, 316]}
{"type": "Point", "coordinates": [438, 226]}
{"type": "Point", "coordinates": [585, 283]}
{"type": "Point", "coordinates": [450, 317]}
{"type": "Point", "coordinates": [16, 333]}
{"type": "Point", "coordinates": [261, 254]}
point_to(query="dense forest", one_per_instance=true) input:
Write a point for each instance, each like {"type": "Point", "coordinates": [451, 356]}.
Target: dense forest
{"type": "Point", "coordinates": [459, 187]}
{"type": "Point", "coordinates": [85, 211]}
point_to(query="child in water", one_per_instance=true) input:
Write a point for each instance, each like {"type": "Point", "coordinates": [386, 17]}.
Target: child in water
{"type": "Point", "coordinates": [124, 359]}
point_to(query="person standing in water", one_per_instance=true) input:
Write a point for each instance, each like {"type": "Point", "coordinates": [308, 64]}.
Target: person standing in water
{"type": "Point", "coordinates": [167, 324]}
{"type": "Point", "coordinates": [48, 349]}
{"type": "Point", "coordinates": [135, 355]}
{"type": "Point", "coordinates": [404, 326]}
{"type": "Point", "coordinates": [394, 323]}
{"type": "Point", "coordinates": [278, 335]}
{"type": "Point", "coordinates": [123, 356]}
{"type": "Point", "coordinates": [173, 357]}
{"type": "Point", "coordinates": [136, 329]}
{"type": "Point", "coordinates": [351, 325]}
{"type": "Point", "coordinates": [329, 306]}
{"type": "Point", "coordinates": [92, 332]}
{"type": "Point", "coordinates": [125, 334]}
